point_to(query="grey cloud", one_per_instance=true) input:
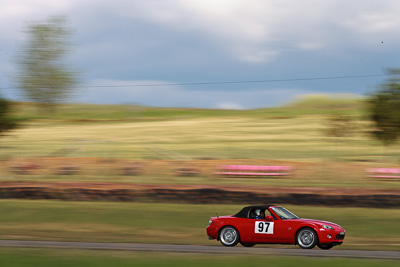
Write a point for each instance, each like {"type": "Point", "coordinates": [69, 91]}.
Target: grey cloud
{"type": "Point", "coordinates": [178, 41]}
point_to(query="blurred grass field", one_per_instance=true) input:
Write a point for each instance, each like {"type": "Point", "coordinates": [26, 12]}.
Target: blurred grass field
{"type": "Point", "coordinates": [366, 228]}
{"type": "Point", "coordinates": [295, 132]}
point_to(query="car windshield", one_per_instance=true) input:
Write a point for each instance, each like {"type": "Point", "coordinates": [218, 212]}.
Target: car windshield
{"type": "Point", "coordinates": [283, 213]}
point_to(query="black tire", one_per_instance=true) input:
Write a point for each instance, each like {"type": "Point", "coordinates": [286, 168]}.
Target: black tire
{"type": "Point", "coordinates": [247, 245]}
{"type": "Point", "coordinates": [229, 236]}
{"type": "Point", "coordinates": [325, 246]}
{"type": "Point", "coordinates": [307, 238]}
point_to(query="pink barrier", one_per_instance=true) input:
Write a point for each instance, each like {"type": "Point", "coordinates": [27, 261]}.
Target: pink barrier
{"type": "Point", "coordinates": [253, 170]}
{"type": "Point", "coordinates": [252, 173]}
{"type": "Point", "coordinates": [384, 170]}
{"type": "Point", "coordinates": [384, 173]}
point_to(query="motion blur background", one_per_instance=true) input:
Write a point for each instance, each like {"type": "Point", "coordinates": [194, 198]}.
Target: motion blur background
{"type": "Point", "coordinates": [117, 116]}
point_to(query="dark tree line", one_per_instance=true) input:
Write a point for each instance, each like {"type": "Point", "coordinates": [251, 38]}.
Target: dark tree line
{"type": "Point", "coordinates": [384, 109]}
{"type": "Point", "coordinates": [7, 123]}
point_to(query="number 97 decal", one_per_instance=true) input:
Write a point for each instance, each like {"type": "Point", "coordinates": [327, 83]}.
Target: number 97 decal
{"type": "Point", "coordinates": [261, 227]}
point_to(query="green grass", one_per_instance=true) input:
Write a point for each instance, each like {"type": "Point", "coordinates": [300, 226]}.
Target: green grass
{"type": "Point", "coordinates": [172, 223]}
{"type": "Point", "coordinates": [54, 257]}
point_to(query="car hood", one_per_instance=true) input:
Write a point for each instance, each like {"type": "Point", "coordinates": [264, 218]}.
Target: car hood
{"type": "Point", "coordinates": [221, 217]}
{"type": "Point", "coordinates": [312, 221]}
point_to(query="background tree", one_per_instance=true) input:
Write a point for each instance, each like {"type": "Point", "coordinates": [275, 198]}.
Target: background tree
{"type": "Point", "coordinates": [6, 122]}
{"type": "Point", "coordinates": [384, 108]}
{"type": "Point", "coordinates": [43, 75]}
{"type": "Point", "coordinates": [340, 126]}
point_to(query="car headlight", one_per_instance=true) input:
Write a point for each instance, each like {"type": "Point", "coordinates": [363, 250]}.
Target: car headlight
{"type": "Point", "coordinates": [327, 227]}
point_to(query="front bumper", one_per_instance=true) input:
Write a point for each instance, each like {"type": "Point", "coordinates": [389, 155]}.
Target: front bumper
{"type": "Point", "coordinates": [334, 237]}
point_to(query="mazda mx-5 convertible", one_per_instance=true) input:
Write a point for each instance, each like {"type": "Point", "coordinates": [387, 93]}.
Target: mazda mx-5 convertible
{"type": "Point", "coordinates": [270, 224]}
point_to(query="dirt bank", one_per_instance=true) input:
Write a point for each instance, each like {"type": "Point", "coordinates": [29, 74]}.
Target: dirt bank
{"type": "Point", "coordinates": [75, 191]}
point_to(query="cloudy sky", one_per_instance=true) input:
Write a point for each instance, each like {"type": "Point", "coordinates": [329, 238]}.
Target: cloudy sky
{"type": "Point", "coordinates": [213, 53]}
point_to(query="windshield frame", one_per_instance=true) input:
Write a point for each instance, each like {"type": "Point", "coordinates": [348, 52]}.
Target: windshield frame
{"type": "Point", "coordinates": [283, 213]}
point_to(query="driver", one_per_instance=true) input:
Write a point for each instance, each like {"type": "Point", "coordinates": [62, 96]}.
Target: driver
{"type": "Point", "coordinates": [260, 214]}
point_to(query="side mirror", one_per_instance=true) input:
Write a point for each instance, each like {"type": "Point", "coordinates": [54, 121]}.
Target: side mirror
{"type": "Point", "coordinates": [269, 218]}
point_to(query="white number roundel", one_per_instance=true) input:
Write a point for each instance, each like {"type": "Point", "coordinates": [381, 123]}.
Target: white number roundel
{"type": "Point", "coordinates": [262, 227]}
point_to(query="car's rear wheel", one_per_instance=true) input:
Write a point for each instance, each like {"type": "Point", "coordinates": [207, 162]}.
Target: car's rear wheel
{"type": "Point", "coordinates": [325, 246]}
{"type": "Point", "coordinates": [247, 245]}
{"type": "Point", "coordinates": [307, 238]}
{"type": "Point", "coordinates": [229, 236]}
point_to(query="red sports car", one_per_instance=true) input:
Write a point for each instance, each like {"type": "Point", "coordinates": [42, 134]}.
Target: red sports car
{"type": "Point", "coordinates": [270, 224]}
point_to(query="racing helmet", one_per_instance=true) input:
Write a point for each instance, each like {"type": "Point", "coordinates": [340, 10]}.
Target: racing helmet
{"type": "Point", "coordinates": [257, 212]}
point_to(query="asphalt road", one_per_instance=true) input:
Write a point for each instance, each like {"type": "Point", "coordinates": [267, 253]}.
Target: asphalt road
{"type": "Point", "coordinates": [335, 252]}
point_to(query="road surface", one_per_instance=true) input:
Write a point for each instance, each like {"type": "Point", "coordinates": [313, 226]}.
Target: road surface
{"type": "Point", "coordinates": [335, 252]}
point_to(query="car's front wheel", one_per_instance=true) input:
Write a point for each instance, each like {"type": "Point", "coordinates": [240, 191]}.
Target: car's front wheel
{"type": "Point", "coordinates": [229, 236]}
{"type": "Point", "coordinates": [307, 238]}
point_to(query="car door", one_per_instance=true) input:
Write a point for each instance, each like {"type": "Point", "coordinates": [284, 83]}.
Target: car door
{"type": "Point", "coordinates": [245, 228]}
